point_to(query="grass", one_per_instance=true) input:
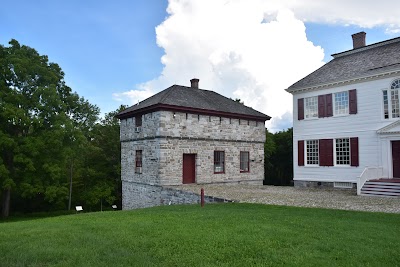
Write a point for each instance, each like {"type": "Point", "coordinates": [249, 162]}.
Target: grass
{"type": "Point", "coordinates": [218, 235]}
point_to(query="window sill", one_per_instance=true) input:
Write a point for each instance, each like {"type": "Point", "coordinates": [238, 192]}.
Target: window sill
{"type": "Point", "coordinates": [244, 171]}
{"type": "Point", "coordinates": [334, 116]}
{"type": "Point", "coordinates": [311, 119]}
{"type": "Point", "coordinates": [341, 115]}
{"type": "Point", "coordinates": [390, 119]}
{"type": "Point", "coordinates": [312, 166]}
{"type": "Point", "coordinates": [342, 166]}
{"type": "Point", "coordinates": [219, 172]}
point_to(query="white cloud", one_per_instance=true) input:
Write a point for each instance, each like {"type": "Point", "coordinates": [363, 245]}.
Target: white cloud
{"type": "Point", "coordinates": [364, 13]}
{"type": "Point", "coordinates": [133, 96]}
{"type": "Point", "coordinates": [251, 50]}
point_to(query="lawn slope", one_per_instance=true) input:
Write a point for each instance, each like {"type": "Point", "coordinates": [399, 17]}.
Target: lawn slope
{"type": "Point", "coordinates": [217, 235]}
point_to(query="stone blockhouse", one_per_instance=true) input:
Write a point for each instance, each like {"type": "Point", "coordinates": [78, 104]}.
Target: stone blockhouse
{"type": "Point", "coordinates": [187, 135]}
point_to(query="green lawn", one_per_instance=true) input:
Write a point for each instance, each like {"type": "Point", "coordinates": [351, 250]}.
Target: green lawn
{"type": "Point", "coordinates": [217, 235]}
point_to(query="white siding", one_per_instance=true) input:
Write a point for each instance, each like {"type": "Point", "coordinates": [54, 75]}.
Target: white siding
{"type": "Point", "coordinates": [373, 150]}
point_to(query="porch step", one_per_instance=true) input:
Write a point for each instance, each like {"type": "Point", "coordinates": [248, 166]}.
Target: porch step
{"type": "Point", "coordinates": [384, 188]}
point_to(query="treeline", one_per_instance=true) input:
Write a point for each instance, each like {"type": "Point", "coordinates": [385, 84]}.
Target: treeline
{"type": "Point", "coordinates": [278, 153]}
{"type": "Point", "coordinates": [55, 151]}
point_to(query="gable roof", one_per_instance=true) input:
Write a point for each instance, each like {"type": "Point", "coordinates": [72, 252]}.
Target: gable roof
{"type": "Point", "coordinates": [182, 98]}
{"type": "Point", "coordinates": [377, 59]}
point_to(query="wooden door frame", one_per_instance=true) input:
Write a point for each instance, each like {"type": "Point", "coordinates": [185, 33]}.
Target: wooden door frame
{"type": "Point", "coordinates": [194, 155]}
{"type": "Point", "coordinates": [391, 157]}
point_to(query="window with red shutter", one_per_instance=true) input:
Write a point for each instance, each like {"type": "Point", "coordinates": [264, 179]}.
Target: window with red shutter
{"type": "Point", "coordinates": [353, 101]}
{"type": "Point", "coordinates": [326, 152]}
{"type": "Point", "coordinates": [354, 151]}
{"type": "Point", "coordinates": [300, 152]}
{"type": "Point", "coordinates": [328, 104]}
{"type": "Point", "coordinates": [300, 108]}
{"type": "Point", "coordinates": [321, 106]}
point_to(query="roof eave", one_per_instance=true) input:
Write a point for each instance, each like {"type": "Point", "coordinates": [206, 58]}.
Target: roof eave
{"type": "Point", "coordinates": [191, 110]}
{"type": "Point", "coordinates": [342, 82]}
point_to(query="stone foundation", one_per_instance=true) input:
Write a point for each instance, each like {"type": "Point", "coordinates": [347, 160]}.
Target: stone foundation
{"type": "Point", "coordinates": [314, 184]}
{"type": "Point", "coordinates": [137, 195]}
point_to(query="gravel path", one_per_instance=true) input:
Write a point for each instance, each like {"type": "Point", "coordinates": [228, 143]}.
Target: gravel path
{"type": "Point", "coordinates": [301, 197]}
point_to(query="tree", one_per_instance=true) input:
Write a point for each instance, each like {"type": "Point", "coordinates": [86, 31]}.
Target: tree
{"type": "Point", "coordinates": [40, 117]}
{"type": "Point", "coordinates": [278, 151]}
{"type": "Point", "coordinates": [101, 167]}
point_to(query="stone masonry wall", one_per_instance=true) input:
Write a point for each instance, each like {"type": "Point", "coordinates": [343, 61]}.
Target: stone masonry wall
{"type": "Point", "coordinates": [150, 161]}
{"type": "Point", "coordinates": [150, 125]}
{"type": "Point", "coordinates": [137, 195]}
{"type": "Point", "coordinates": [171, 161]}
{"type": "Point", "coordinates": [187, 125]}
{"type": "Point", "coordinates": [177, 124]}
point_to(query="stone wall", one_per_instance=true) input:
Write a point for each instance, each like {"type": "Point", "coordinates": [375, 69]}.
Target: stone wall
{"type": "Point", "coordinates": [137, 195]}
{"type": "Point", "coordinates": [149, 129]}
{"type": "Point", "coordinates": [150, 161]}
{"type": "Point", "coordinates": [177, 124]}
{"type": "Point", "coordinates": [171, 161]}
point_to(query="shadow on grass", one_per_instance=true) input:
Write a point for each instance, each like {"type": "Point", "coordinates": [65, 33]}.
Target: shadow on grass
{"type": "Point", "coordinates": [15, 217]}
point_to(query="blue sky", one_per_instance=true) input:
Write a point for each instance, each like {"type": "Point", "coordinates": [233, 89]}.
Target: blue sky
{"type": "Point", "coordinates": [102, 47]}
{"type": "Point", "coordinates": [112, 54]}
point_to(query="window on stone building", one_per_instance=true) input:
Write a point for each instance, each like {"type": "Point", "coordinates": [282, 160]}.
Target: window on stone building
{"type": "Point", "coordinates": [138, 121]}
{"type": "Point", "coordinates": [138, 161]}
{"type": "Point", "coordinates": [219, 161]}
{"type": "Point", "coordinates": [244, 161]}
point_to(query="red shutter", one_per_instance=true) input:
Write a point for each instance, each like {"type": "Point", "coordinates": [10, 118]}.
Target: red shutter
{"type": "Point", "coordinates": [300, 108]}
{"type": "Point", "coordinates": [300, 150]}
{"type": "Point", "coordinates": [354, 151]}
{"type": "Point", "coordinates": [326, 152]}
{"type": "Point", "coordinates": [321, 106]}
{"type": "Point", "coordinates": [329, 108]}
{"type": "Point", "coordinates": [353, 101]}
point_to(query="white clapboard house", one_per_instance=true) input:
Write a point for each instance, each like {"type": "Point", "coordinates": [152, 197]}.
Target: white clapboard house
{"type": "Point", "coordinates": [346, 120]}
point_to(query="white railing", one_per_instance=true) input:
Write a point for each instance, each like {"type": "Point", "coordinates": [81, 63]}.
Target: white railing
{"type": "Point", "coordinates": [368, 173]}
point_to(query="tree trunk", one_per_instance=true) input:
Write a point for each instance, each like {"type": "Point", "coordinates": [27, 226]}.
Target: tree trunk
{"type": "Point", "coordinates": [5, 203]}
{"type": "Point", "coordinates": [70, 185]}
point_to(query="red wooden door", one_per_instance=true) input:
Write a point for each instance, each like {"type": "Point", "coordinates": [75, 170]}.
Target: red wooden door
{"type": "Point", "coordinates": [396, 158]}
{"type": "Point", "coordinates": [189, 168]}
